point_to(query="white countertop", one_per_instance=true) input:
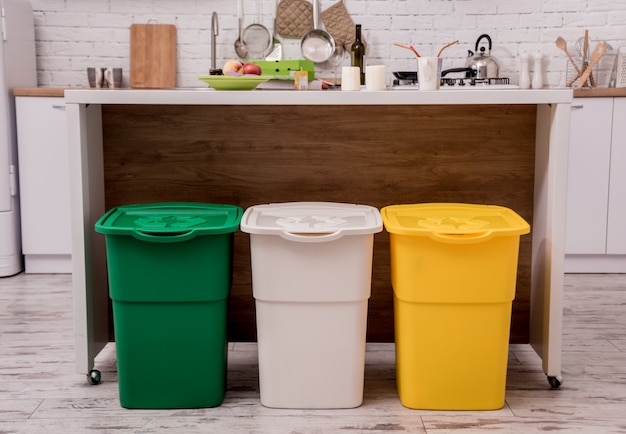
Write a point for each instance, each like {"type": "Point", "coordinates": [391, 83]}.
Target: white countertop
{"type": "Point", "coordinates": [208, 96]}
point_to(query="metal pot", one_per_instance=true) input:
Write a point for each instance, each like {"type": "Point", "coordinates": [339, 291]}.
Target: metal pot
{"type": "Point", "coordinates": [482, 65]}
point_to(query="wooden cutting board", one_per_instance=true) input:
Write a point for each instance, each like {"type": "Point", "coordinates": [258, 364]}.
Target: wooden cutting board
{"type": "Point", "coordinates": [152, 56]}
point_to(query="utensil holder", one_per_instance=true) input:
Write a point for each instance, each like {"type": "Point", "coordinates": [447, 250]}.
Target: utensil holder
{"type": "Point", "coordinates": [571, 74]}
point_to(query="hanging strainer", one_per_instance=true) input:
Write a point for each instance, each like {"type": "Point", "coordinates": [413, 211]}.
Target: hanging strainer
{"type": "Point", "coordinates": [257, 38]}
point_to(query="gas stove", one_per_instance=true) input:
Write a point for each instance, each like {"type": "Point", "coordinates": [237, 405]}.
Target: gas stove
{"type": "Point", "coordinates": [408, 81]}
{"type": "Point", "coordinates": [472, 81]}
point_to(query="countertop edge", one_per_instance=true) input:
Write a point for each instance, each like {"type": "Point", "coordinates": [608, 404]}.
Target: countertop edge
{"type": "Point", "coordinates": [207, 96]}
{"type": "Point", "coordinates": [60, 91]}
{"type": "Point", "coordinates": [39, 91]}
{"type": "Point", "coordinates": [600, 92]}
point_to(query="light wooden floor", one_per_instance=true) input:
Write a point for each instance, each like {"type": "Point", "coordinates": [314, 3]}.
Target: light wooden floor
{"type": "Point", "coordinates": [40, 391]}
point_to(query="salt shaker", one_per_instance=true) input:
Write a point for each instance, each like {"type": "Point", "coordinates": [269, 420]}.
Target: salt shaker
{"type": "Point", "coordinates": [538, 71]}
{"type": "Point", "coordinates": [524, 73]}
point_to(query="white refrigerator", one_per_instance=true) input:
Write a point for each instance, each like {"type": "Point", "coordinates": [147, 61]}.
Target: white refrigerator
{"type": "Point", "coordinates": [17, 69]}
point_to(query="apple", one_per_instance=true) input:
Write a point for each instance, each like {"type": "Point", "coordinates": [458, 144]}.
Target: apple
{"type": "Point", "coordinates": [233, 66]}
{"type": "Point", "coordinates": [251, 69]}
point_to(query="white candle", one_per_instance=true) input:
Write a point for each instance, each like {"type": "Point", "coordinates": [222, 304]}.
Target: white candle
{"type": "Point", "coordinates": [350, 78]}
{"type": "Point", "coordinates": [375, 77]}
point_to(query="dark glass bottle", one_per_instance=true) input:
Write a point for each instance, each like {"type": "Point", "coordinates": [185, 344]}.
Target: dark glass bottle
{"type": "Point", "coordinates": [357, 51]}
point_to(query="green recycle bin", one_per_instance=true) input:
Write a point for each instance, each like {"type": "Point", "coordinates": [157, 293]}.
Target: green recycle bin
{"type": "Point", "coordinates": [170, 272]}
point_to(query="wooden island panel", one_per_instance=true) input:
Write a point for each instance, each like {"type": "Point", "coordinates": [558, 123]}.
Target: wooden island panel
{"type": "Point", "coordinates": [374, 155]}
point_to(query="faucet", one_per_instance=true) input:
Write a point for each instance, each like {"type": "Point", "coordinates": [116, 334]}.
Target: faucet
{"type": "Point", "coordinates": [214, 32]}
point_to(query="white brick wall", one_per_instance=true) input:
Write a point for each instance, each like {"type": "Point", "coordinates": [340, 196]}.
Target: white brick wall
{"type": "Point", "coordinates": [75, 34]}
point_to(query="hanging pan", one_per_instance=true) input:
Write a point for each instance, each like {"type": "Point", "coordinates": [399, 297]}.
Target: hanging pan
{"type": "Point", "coordinates": [317, 45]}
{"type": "Point", "coordinates": [257, 38]}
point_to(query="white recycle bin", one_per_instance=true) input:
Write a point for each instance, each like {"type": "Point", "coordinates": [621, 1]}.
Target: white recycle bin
{"type": "Point", "coordinates": [311, 280]}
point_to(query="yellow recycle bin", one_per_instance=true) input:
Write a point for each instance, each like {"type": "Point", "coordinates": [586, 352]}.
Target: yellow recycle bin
{"type": "Point", "coordinates": [453, 272]}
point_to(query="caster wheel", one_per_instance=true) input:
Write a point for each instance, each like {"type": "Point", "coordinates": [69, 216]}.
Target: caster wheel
{"type": "Point", "coordinates": [94, 376]}
{"type": "Point", "coordinates": [555, 382]}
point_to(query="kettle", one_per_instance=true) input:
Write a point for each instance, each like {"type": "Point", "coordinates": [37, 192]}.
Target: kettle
{"type": "Point", "coordinates": [482, 65]}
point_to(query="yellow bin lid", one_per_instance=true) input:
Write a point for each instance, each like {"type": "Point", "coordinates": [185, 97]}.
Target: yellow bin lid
{"type": "Point", "coordinates": [453, 222]}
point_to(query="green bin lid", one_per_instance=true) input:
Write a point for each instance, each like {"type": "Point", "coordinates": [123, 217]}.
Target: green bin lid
{"type": "Point", "coordinates": [170, 219]}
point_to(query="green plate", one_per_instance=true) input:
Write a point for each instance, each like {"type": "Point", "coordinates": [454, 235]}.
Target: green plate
{"type": "Point", "coordinates": [225, 82]}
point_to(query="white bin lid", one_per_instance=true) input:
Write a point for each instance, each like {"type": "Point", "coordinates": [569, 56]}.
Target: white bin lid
{"type": "Point", "coordinates": [304, 219]}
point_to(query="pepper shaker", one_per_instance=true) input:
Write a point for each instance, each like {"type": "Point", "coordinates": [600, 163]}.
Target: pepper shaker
{"type": "Point", "coordinates": [538, 71]}
{"type": "Point", "coordinates": [524, 73]}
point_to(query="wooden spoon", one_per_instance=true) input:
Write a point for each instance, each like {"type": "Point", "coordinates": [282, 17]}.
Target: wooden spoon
{"type": "Point", "coordinates": [560, 43]}
{"type": "Point", "coordinates": [596, 55]}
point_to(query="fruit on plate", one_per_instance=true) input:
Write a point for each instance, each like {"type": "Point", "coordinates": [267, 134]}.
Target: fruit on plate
{"type": "Point", "coordinates": [236, 68]}
{"type": "Point", "coordinates": [233, 66]}
{"type": "Point", "coordinates": [251, 69]}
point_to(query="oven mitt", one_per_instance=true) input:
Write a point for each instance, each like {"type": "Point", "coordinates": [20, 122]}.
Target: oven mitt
{"type": "Point", "coordinates": [339, 24]}
{"type": "Point", "coordinates": [294, 18]}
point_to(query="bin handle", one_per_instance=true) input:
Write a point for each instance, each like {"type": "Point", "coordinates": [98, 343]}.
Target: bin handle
{"type": "Point", "coordinates": [311, 237]}
{"type": "Point", "coordinates": [462, 238]}
{"type": "Point", "coordinates": [168, 237]}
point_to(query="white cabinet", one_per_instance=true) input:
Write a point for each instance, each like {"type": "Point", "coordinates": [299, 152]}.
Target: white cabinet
{"type": "Point", "coordinates": [616, 241]}
{"type": "Point", "coordinates": [595, 239]}
{"type": "Point", "coordinates": [44, 184]}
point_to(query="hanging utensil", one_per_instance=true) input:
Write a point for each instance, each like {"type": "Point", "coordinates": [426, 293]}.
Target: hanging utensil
{"type": "Point", "coordinates": [277, 50]}
{"type": "Point", "coordinates": [240, 48]}
{"type": "Point", "coordinates": [257, 38]}
{"type": "Point", "coordinates": [214, 32]}
{"type": "Point", "coordinates": [317, 45]}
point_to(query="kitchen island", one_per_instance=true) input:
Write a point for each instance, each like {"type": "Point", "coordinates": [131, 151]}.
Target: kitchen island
{"type": "Point", "coordinates": [505, 147]}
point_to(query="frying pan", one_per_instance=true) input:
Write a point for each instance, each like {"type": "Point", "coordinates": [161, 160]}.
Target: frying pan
{"type": "Point", "coordinates": [257, 39]}
{"type": "Point", "coordinates": [406, 75]}
{"type": "Point", "coordinates": [317, 45]}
